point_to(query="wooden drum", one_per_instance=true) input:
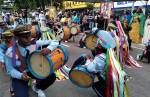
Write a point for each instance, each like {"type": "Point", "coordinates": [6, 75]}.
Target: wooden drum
{"type": "Point", "coordinates": [58, 57]}
{"type": "Point", "coordinates": [79, 74]}
{"type": "Point", "coordinates": [67, 33]}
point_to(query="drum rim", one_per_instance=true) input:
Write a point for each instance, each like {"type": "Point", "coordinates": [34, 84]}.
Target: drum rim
{"type": "Point", "coordinates": [77, 83]}
{"type": "Point", "coordinates": [65, 51]}
{"type": "Point", "coordinates": [30, 69]}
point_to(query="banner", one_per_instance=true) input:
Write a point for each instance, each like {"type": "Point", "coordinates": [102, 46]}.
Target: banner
{"type": "Point", "coordinates": [105, 9]}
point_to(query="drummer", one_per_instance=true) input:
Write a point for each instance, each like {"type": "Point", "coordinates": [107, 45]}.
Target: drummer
{"type": "Point", "coordinates": [6, 43]}
{"type": "Point", "coordinates": [97, 64]}
{"type": "Point", "coordinates": [16, 66]}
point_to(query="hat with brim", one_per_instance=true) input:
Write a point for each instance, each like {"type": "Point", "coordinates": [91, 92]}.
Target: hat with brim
{"type": "Point", "coordinates": [105, 39]}
{"type": "Point", "coordinates": [7, 34]}
{"type": "Point", "coordinates": [22, 30]}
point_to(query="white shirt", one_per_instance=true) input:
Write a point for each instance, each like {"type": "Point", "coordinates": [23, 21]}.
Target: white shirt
{"type": "Point", "coordinates": [97, 64]}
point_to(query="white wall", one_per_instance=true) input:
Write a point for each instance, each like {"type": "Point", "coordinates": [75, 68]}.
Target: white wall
{"type": "Point", "coordinates": [130, 3]}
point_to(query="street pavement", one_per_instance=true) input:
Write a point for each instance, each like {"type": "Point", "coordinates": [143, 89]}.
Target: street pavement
{"type": "Point", "coordinates": [139, 83]}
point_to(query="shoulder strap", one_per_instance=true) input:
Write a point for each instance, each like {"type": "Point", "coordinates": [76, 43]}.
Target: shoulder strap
{"type": "Point", "coordinates": [23, 64]}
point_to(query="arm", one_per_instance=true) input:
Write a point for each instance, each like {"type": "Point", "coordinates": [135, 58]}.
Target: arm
{"type": "Point", "coordinates": [97, 65]}
{"type": "Point", "coordinates": [52, 44]}
{"type": "Point", "coordinates": [1, 56]}
{"type": "Point", "coordinates": [11, 70]}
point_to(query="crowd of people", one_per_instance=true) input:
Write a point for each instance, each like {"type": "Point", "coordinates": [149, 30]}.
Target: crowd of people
{"type": "Point", "coordinates": [113, 38]}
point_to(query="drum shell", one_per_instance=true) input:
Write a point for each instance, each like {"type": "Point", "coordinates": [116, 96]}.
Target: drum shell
{"type": "Point", "coordinates": [51, 62]}
{"type": "Point", "coordinates": [67, 33]}
{"type": "Point", "coordinates": [58, 57]}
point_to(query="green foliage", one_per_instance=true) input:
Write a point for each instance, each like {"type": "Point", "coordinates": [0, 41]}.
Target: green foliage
{"type": "Point", "coordinates": [33, 4]}
{"type": "Point", "coordinates": [1, 2]}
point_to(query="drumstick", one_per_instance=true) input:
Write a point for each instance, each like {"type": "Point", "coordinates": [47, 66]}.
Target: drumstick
{"type": "Point", "coordinates": [42, 55]}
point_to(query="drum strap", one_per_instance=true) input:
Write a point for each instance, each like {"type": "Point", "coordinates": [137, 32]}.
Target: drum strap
{"type": "Point", "coordinates": [23, 63]}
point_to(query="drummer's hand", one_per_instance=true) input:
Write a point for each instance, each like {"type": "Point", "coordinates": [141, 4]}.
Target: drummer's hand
{"type": "Point", "coordinates": [45, 51]}
{"type": "Point", "coordinates": [25, 77]}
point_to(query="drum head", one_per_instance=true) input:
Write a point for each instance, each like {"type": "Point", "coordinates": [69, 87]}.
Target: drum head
{"type": "Point", "coordinates": [90, 41]}
{"type": "Point", "coordinates": [39, 65]}
{"type": "Point", "coordinates": [81, 78]}
{"type": "Point", "coordinates": [73, 30]}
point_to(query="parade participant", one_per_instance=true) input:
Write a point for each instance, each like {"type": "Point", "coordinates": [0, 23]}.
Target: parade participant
{"type": "Point", "coordinates": [98, 66]}
{"type": "Point", "coordinates": [82, 40]}
{"type": "Point", "coordinates": [16, 65]}
{"type": "Point", "coordinates": [135, 32]}
{"type": "Point", "coordinates": [127, 29]}
{"type": "Point", "coordinates": [6, 43]}
{"type": "Point", "coordinates": [2, 27]}
{"type": "Point", "coordinates": [146, 52]}
{"type": "Point", "coordinates": [85, 22]}
{"type": "Point", "coordinates": [91, 21]}
{"type": "Point", "coordinates": [69, 20]}
{"type": "Point", "coordinates": [142, 19]}
{"type": "Point", "coordinates": [42, 19]}
{"type": "Point", "coordinates": [146, 36]}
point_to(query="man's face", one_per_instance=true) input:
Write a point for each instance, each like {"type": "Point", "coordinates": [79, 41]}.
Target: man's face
{"type": "Point", "coordinates": [24, 40]}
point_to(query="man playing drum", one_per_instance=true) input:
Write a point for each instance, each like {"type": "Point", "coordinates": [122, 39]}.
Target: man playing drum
{"type": "Point", "coordinates": [97, 65]}
{"type": "Point", "coordinates": [15, 60]}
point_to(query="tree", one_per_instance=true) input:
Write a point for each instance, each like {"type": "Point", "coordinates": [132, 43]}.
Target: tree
{"type": "Point", "coordinates": [1, 2]}
{"type": "Point", "coordinates": [33, 4]}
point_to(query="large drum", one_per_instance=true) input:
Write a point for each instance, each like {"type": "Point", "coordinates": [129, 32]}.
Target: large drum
{"type": "Point", "coordinates": [90, 41]}
{"type": "Point", "coordinates": [67, 33]}
{"type": "Point", "coordinates": [41, 66]}
{"type": "Point", "coordinates": [58, 57]}
{"type": "Point", "coordinates": [79, 74]}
